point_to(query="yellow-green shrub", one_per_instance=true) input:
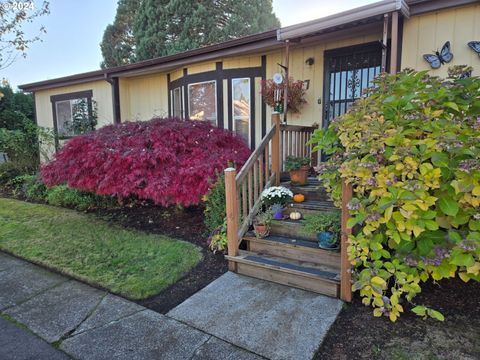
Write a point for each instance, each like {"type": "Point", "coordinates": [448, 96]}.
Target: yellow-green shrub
{"type": "Point", "coordinates": [411, 150]}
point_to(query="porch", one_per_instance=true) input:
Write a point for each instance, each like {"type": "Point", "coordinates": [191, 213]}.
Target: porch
{"type": "Point", "coordinates": [286, 256]}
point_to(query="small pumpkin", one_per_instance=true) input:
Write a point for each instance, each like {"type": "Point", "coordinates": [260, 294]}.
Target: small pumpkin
{"type": "Point", "coordinates": [295, 215]}
{"type": "Point", "coordinates": [299, 198]}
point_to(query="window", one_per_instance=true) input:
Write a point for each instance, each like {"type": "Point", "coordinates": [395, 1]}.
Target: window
{"type": "Point", "coordinates": [74, 113]}
{"type": "Point", "coordinates": [70, 116]}
{"type": "Point", "coordinates": [202, 101]}
{"type": "Point", "coordinates": [241, 107]}
{"type": "Point", "coordinates": [177, 103]}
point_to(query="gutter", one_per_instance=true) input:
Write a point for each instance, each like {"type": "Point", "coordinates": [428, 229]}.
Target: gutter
{"type": "Point", "coordinates": [350, 16]}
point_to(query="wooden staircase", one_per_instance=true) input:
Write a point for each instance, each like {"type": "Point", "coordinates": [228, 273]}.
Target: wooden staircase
{"type": "Point", "coordinates": [289, 257]}
{"type": "Point", "coordinates": [286, 256]}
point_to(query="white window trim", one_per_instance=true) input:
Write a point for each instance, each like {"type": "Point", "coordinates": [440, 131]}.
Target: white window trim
{"type": "Point", "coordinates": [216, 103]}
{"type": "Point", "coordinates": [249, 105]}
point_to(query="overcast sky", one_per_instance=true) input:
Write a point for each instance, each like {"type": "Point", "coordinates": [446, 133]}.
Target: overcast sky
{"type": "Point", "coordinates": [75, 29]}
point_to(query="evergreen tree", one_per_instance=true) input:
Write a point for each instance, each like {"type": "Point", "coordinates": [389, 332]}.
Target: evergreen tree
{"type": "Point", "coordinates": [164, 27]}
{"type": "Point", "coordinates": [118, 43]}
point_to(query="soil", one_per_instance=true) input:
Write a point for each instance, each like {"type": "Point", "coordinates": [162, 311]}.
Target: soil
{"type": "Point", "coordinates": [185, 224]}
{"type": "Point", "coordinates": [356, 334]}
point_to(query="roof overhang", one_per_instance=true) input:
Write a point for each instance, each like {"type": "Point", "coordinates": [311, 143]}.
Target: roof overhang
{"type": "Point", "coordinates": [329, 23]}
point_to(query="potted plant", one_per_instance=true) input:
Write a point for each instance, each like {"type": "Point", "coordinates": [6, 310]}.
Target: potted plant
{"type": "Point", "coordinates": [261, 224]}
{"type": "Point", "coordinates": [276, 195]}
{"type": "Point", "coordinates": [277, 211]}
{"type": "Point", "coordinates": [326, 225]}
{"type": "Point", "coordinates": [298, 169]}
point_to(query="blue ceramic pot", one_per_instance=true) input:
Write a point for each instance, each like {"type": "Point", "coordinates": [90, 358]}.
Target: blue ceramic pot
{"type": "Point", "coordinates": [327, 240]}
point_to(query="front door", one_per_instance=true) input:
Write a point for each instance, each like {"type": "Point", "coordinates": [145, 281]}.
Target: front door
{"type": "Point", "coordinates": [347, 72]}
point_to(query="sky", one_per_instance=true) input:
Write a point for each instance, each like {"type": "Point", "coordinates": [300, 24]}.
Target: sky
{"type": "Point", "coordinates": [75, 29]}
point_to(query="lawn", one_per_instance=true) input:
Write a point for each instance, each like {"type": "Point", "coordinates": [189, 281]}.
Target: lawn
{"type": "Point", "coordinates": [131, 263]}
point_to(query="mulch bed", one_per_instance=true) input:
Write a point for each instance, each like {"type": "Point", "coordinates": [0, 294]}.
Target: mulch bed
{"type": "Point", "coordinates": [185, 224]}
{"type": "Point", "coordinates": [356, 334]}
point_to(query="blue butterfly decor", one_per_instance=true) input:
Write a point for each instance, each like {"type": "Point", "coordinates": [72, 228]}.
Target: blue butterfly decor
{"type": "Point", "coordinates": [475, 46]}
{"type": "Point", "coordinates": [439, 58]}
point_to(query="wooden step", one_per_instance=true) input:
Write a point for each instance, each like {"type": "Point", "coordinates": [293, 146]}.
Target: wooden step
{"type": "Point", "coordinates": [293, 249]}
{"type": "Point", "coordinates": [312, 190]}
{"type": "Point", "coordinates": [310, 207]}
{"type": "Point", "coordinates": [291, 229]}
{"type": "Point", "coordinates": [285, 272]}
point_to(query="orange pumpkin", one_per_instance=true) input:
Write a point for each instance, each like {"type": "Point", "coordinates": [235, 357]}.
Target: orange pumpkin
{"type": "Point", "coordinates": [299, 198]}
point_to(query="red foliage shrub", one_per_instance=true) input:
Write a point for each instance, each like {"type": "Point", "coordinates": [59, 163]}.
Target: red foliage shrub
{"type": "Point", "coordinates": [168, 161]}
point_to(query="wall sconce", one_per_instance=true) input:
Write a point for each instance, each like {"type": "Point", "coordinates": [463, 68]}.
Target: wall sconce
{"type": "Point", "coordinates": [310, 61]}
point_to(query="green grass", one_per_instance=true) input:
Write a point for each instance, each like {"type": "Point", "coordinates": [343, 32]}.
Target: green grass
{"type": "Point", "coordinates": [131, 263]}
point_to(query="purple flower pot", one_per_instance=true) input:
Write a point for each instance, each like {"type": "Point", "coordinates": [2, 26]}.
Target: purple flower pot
{"type": "Point", "coordinates": [278, 215]}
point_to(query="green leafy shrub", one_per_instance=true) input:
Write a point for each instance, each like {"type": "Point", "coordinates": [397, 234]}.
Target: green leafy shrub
{"type": "Point", "coordinates": [9, 171]}
{"type": "Point", "coordinates": [324, 221]}
{"type": "Point", "coordinates": [64, 196]}
{"type": "Point", "coordinates": [296, 163]}
{"type": "Point", "coordinates": [411, 152]}
{"type": "Point", "coordinates": [215, 212]}
{"type": "Point", "coordinates": [33, 189]}
{"type": "Point", "coordinates": [218, 238]}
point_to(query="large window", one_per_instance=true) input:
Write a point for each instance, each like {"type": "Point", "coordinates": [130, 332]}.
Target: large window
{"type": "Point", "coordinates": [177, 102]}
{"type": "Point", "coordinates": [74, 113]}
{"type": "Point", "coordinates": [72, 116]}
{"type": "Point", "coordinates": [202, 101]}
{"type": "Point", "coordinates": [241, 107]}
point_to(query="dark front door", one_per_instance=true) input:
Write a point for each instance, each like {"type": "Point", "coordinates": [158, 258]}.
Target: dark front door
{"type": "Point", "coordinates": [347, 72]}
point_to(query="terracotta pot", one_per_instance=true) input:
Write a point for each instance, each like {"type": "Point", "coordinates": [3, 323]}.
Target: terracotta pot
{"type": "Point", "coordinates": [261, 230]}
{"type": "Point", "coordinates": [299, 176]}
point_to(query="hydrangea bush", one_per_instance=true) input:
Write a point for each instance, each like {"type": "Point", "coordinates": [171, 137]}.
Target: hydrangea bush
{"type": "Point", "coordinates": [167, 161]}
{"type": "Point", "coordinates": [411, 150]}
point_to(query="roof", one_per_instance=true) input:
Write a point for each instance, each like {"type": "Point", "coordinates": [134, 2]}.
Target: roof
{"type": "Point", "coordinates": [241, 45]}
{"type": "Point", "coordinates": [363, 13]}
{"type": "Point", "coordinates": [261, 41]}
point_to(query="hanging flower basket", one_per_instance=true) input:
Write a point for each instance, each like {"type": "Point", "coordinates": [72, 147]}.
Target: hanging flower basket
{"type": "Point", "coordinates": [296, 94]}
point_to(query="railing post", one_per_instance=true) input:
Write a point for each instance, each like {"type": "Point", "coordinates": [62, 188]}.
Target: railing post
{"type": "Point", "coordinates": [232, 215]}
{"type": "Point", "coordinates": [345, 268]}
{"type": "Point", "coordinates": [276, 148]}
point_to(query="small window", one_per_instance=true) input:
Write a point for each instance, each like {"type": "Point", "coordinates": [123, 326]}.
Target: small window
{"type": "Point", "coordinates": [241, 107]}
{"type": "Point", "coordinates": [202, 101]}
{"type": "Point", "coordinates": [177, 103]}
{"type": "Point", "coordinates": [73, 117]}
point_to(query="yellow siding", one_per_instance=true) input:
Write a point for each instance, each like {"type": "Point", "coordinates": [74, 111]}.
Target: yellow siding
{"type": "Point", "coordinates": [426, 33]}
{"type": "Point", "coordinates": [201, 67]}
{"type": "Point", "coordinates": [242, 62]}
{"type": "Point", "coordinates": [102, 94]}
{"type": "Point", "coordinates": [177, 74]}
{"type": "Point", "coordinates": [311, 112]}
{"type": "Point", "coordinates": [145, 97]}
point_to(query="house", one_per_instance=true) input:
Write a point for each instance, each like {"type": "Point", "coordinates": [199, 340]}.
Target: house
{"type": "Point", "coordinates": [326, 53]}
{"type": "Point", "coordinates": [337, 56]}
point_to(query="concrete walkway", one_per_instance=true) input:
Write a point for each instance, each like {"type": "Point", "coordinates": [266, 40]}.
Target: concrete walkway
{"type": "Point", "coordinates": [235, 317]}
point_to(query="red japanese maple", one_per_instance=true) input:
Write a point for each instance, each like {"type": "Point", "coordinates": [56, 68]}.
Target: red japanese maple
{"type": "Point", "coordinates": [168, 161]}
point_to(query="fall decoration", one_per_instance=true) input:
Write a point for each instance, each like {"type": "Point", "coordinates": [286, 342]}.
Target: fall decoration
{"type": "Point", "coordinates": [299, 198]}
{"type": "Point", "coordinates": [296, 94]}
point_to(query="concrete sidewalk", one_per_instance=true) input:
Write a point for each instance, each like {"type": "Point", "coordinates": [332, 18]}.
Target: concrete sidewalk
{"type": "Point", "coordinates": [235, 317]}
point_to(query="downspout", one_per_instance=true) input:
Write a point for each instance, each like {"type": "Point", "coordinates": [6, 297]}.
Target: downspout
{"type": "Point", "coordinates": [285, 92]}
{"type": "Point", "coordinates": [394, 44]}
{"type": "Point", "coordinates": [115, 98]}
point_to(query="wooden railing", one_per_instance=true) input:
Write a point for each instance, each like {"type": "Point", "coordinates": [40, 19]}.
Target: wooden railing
{"type": "Point", "coordinates": [243, 190]}
{"type": "Point", "coordinates": [262, 170]}
{"type": "Point", "coordinates": [294, 141]}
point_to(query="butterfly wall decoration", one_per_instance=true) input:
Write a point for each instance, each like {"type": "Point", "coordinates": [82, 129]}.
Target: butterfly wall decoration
{"type": "Point", "coordinates": [439, 57]}
{"type": "Point", "coordinates": [475, 46]}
